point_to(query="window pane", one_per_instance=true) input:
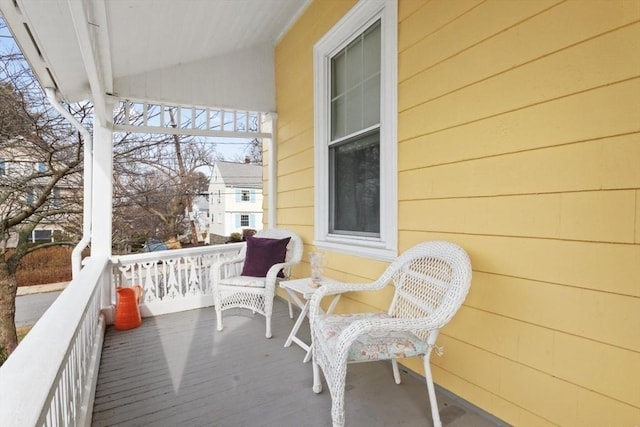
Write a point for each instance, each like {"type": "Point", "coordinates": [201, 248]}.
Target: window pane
{"type": "Point", "coordinates": [338, 115]}
{"type": "Point", "coordinates": [355, 186]}
{"type": "Point", "coordinates": [355, 84]}
{"type": "Point", "coordinates": [42, 235]}
{"type": "Point", "coordinates": [56, 196]}
{"type": "Point", "coordinates": [371, 51]}
{"type": "Point", "coordinates": [371, 103]}
{"type": "Point", "coordinates": [354, 110]}
{"type": "Point", "coordinates": [354, 63]}
{"type": "Point", "coordinates": [338, 71]}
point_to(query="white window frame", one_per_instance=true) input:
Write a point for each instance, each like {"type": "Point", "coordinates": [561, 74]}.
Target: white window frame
{"type": "Point", "coordinates": [353, 24]}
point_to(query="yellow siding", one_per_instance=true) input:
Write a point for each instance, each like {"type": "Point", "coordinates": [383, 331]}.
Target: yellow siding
{"type": "Point", "coordinates": [637, 216]}
{"type": "Point", "coordinates": [519, 139]}
{"type": "Point", "coordinates": [588, 215]}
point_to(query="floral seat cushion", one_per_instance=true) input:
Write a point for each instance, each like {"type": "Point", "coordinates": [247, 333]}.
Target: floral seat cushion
{"type": "Point", "coordinates": [373, 345]}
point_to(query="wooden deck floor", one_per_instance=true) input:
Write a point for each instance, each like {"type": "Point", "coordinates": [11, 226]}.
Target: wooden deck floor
{"type": "Point", "coordinates": [177, 370]}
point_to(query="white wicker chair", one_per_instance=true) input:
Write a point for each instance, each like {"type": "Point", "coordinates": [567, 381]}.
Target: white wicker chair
{"type": "Point", "coordinates": [431, 282]}
{"type": "Point", "coordinates": [231, 290]}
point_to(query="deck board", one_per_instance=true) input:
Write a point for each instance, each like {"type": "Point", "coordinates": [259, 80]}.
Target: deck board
{"type": "Point", "coordinates": [177, 370]}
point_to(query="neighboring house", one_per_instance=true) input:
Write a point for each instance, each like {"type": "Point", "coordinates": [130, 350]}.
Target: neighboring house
{"type": "Point", "coordinates": [19, 168]}
{"type": "Point", "coordinates": [201, 217]}
{"type": "Point", "coordinates": [235, 197]}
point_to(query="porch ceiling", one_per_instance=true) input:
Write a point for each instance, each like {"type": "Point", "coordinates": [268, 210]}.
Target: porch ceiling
{"type": "Point", "coordinates": [200, 52]}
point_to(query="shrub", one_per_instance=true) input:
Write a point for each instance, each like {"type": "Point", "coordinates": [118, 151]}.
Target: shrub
{"type": "Point", "coordinates": [48, 265]}
{"type": "Point", "coordinates": [235, 237]}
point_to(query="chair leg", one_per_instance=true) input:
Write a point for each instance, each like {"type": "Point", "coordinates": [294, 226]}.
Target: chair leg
{"type": "Point", "coordinates": [396, 371]}
{"type": "Point", "coordinates": [337, 398]}
{"type": "Point", "coordinates": [432, 392]}
{"type": "Point", "coordinates": [268, 331]}
{"type": "Point", "coordinates": [317, 383]}
{"type": "Point", "coordinates": [219, 319]}
{"type": "Point", "coordinates": [268, 311]}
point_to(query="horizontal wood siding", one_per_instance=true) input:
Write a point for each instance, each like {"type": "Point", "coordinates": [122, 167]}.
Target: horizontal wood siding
{"type": "Point", "coordinates": [294, 99]}
{"type": "Point", "coordinates": [519, 139]}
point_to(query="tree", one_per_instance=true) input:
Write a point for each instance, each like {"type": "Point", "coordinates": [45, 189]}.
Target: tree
{"type": "Point", "coordinates": [40, 176]}
{"type": "Point", "coordinates": [156, 179]}
{"type": "Point", "coordinates": [255, 151]}
{"type": "Point", "coordinates": [252, 153]}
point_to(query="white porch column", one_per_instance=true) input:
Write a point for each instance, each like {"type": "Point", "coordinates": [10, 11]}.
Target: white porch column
{"type": "Point", "coordinates": [269, 125]}
{"type": "Point", "coordinates": [102, 189]}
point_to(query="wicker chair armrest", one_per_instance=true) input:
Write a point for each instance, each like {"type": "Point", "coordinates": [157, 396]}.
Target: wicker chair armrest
{"type": "Point", "coordinates": [272, 274]}
{"type": "Point", "coordinates": [335, 288]}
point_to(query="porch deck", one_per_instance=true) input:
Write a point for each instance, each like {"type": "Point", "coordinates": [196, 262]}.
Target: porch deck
{"type": "Point", "coordinates": [176, 369]}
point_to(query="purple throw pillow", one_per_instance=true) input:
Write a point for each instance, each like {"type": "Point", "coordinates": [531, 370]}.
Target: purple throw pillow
{"type": "Point", "coordinates": [262, 253]}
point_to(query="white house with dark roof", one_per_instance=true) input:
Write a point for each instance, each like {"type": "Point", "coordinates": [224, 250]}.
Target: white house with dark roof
{"type": "Point", "coordinates": [235, 197]}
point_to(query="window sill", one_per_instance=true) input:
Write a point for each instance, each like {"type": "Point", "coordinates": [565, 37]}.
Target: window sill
{"type": "Point", "coordinates": [362, 248]}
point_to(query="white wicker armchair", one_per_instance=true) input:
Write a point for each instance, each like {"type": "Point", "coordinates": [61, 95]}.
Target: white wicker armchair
{"type": "Point", "coordinates": [232, 290]}
{"type": "Point", "coordinates": [431, 282]}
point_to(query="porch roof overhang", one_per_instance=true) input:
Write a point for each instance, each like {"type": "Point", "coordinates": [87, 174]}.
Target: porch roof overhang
{"type": "Point", "coordinates": [216, 53]}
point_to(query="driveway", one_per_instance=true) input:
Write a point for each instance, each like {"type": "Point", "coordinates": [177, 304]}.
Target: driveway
{"type": "Point", "coordinates": [30, 306]}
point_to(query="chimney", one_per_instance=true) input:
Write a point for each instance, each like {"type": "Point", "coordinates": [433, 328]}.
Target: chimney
{"type": "Point", "coordinates": [247, 160]}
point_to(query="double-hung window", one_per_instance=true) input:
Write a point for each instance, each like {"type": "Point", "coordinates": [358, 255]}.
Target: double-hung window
{"type": "Point", "coordinates": [355, 132]}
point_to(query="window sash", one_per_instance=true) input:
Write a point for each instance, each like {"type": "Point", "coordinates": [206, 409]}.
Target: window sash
{"type": "Point", "coordinates": [355, 84]}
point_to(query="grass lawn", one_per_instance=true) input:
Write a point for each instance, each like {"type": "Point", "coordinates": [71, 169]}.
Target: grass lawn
{"type": "Point", "coordinates": [22, 331]}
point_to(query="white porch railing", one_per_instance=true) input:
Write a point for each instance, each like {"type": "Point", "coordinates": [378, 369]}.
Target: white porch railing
{"type": "Point", "coordinates": [174, 280]}
{"type": "Point", "coordinates": [50, 379]}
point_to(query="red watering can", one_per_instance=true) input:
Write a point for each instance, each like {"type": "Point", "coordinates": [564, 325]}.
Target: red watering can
{"type": "Point", "coordinates": [127, 311]}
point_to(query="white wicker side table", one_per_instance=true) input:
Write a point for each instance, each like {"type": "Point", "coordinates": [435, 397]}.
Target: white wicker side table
{"type": "Point", "coordinates": [295, 289]}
